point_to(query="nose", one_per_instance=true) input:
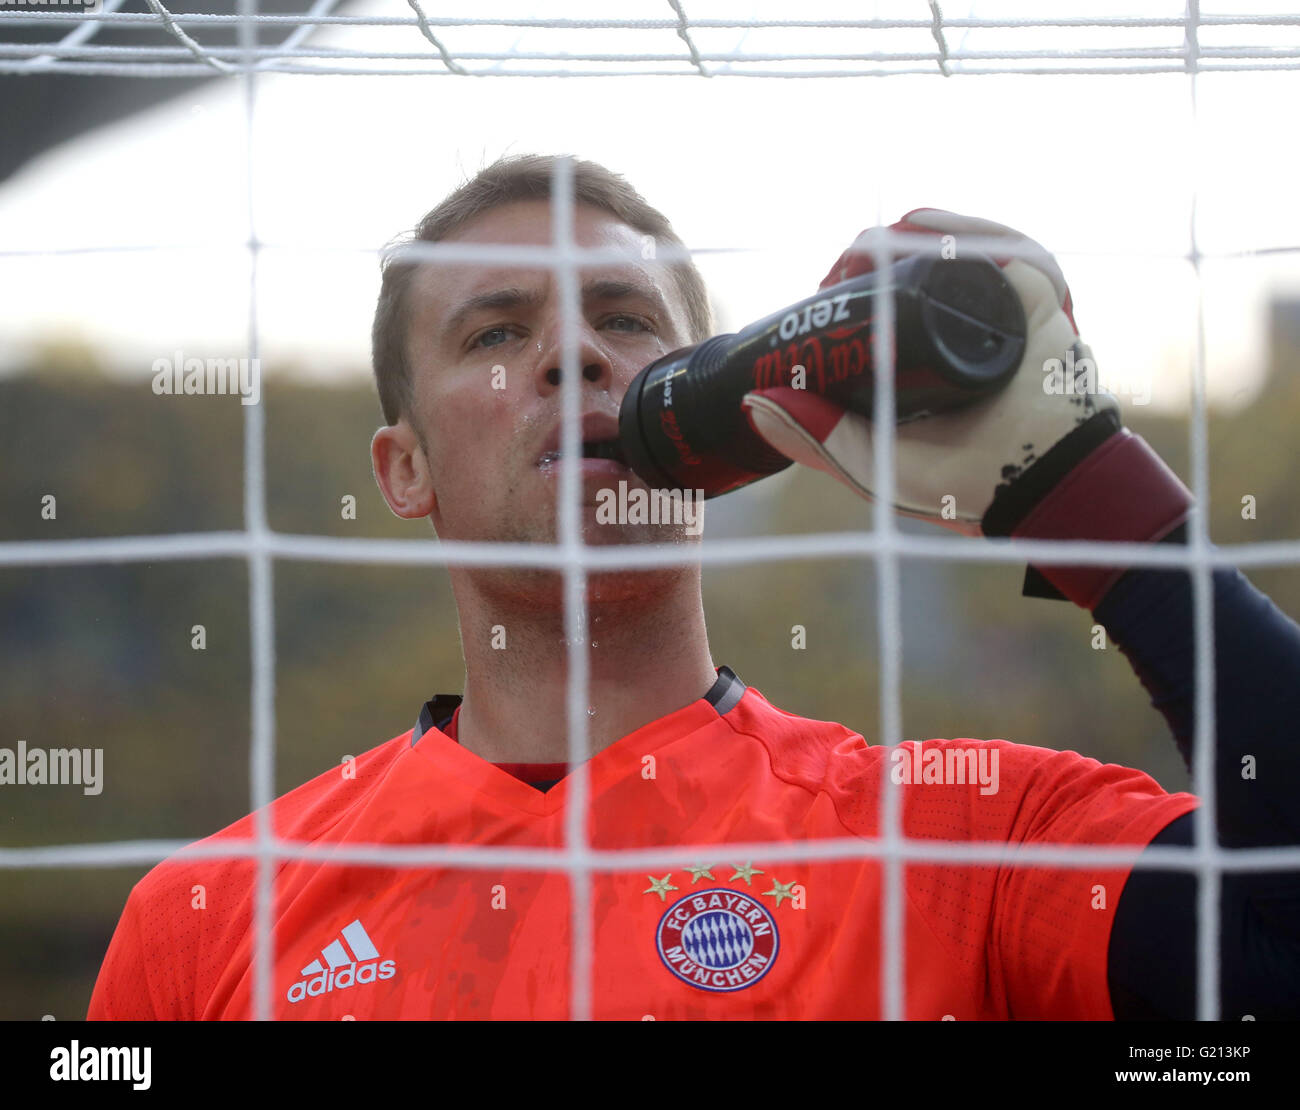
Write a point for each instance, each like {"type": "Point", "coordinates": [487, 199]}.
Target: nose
{"type": "Point", "coordinates": [596, 366]}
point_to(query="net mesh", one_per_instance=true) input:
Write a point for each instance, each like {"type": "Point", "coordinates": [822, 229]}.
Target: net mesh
{"type": "Point", "coordinates": [652, 37]}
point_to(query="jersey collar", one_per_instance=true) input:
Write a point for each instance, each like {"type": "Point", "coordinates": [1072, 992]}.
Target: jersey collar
{"type": "Point", "coordinates": [724, 695]}
{"type": "Point", "coordinates": [623, 757]}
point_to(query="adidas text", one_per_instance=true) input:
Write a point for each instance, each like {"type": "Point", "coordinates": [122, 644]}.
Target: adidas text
{"type": "Point", "coordinates": [342, 978]}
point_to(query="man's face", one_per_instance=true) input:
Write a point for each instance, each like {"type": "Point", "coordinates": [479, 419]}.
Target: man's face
{"type": "Point", "coordinates": [484, 347]}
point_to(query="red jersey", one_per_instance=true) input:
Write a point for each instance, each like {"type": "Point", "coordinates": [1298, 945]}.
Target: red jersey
{"type": "Point", "coordinates": [724, 938]}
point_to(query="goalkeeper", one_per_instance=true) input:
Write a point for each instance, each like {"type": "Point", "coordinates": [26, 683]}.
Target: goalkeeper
{"type": "Point", "coordinates": [468, 365]}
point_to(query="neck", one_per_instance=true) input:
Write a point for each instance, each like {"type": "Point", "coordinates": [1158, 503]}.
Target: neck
{"type": "Point", "coordinates": [647, 653]}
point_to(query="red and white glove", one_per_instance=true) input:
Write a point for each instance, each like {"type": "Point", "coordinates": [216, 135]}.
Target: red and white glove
{"type": "Point", "coordinates": [1028, 460]}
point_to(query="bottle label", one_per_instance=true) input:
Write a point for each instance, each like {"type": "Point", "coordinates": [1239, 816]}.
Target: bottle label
{"type": "Point", "coordinates": [840, 356]}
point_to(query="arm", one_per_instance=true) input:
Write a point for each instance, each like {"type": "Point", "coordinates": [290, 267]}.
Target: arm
{"type": "Point", "coordinates": [122, 991]}
{"type": "Point", "coordinates": [1152, 965]}
{"type": "Point", "coordinates": [1096, 484]}
{"type": "Point", "coordinates": [1039, 464]}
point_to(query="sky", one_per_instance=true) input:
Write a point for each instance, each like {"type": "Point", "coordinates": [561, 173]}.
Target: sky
{"type": "Point", "coordinates": [766, 179]}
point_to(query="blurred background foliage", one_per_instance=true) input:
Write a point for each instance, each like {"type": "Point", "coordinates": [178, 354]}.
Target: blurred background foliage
{"type": "Point", "coordinates": [100, 655]}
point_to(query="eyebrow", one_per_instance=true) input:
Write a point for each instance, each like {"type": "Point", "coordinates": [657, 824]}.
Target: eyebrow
{"type": "Point", "coordinates": [596, 289]}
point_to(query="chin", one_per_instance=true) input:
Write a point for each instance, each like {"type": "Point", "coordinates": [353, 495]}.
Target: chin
{"type": "Point", "coordinates": [545, 528]}
{"type": "Point", "coordinates": [596, 534]}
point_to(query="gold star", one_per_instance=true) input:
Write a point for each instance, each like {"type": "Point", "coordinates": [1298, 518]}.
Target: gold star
{"type": "Point", "coordinates": [700, 871]}
{"type": "Point", "coordinates": [781, 890]}
{"type": "Point", "coordinates": [747, 872]}
{"type": "Point", "coordinates": [660, 886]}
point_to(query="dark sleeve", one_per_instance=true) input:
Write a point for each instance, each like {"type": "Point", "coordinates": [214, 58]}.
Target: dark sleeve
{"type": "Point", "coordinates": [1152, 955]}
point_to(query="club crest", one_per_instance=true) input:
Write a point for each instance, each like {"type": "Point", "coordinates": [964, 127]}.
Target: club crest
{"type": "Point", "coordinates": [718, 940]}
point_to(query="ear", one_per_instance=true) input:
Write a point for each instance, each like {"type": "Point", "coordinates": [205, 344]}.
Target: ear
{"type": "Point", "coordinates": [402, 470]}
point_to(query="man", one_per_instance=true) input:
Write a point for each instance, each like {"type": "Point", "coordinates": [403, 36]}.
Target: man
{"type": "Point", "coordinates": [468, 364]}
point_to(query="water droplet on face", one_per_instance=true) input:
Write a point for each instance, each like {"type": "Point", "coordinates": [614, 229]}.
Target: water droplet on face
{"type": "Point", "coordinates": [591, 711]}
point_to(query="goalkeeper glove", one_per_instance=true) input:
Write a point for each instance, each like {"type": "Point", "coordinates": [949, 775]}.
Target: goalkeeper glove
{"type": "Point", "coordinates": [1045, 457]}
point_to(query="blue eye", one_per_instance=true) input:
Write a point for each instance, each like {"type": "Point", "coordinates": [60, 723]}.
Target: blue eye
{"type": "Point", "coordinates": [637, 324]}
{"type": "Point", "coordinates": [641, 324]}
{"type": "Point", "coordinates": [479, 341]}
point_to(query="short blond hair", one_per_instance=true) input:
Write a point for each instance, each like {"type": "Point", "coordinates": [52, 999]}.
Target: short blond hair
{"type": "Point", "coordinates": [509, 179]}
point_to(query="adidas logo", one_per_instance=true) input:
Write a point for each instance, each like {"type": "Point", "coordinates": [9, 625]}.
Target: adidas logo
{"type": "Point", "coordinates": [345, 965]}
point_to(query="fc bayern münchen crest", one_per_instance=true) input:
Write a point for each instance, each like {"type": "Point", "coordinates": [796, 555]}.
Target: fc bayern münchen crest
{"type": "Point", "coordinates": [718, 940]}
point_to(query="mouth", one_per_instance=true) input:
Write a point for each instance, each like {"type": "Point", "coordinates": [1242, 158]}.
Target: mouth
{"type": "Point", "coordinates": [609, 449]}
{"type": "Point", "coordinates": [601, 449]}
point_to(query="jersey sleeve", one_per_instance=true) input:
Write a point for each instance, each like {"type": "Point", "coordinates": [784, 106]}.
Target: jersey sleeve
{"type": "Point", "coordinates": [183, 937]}
{"type": "Point", "coordinates": [123, 991]}
{"type": "Point", "coordinates": [1050, 925]}
{"type": "Point", "coordinates": [1024, 939]}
